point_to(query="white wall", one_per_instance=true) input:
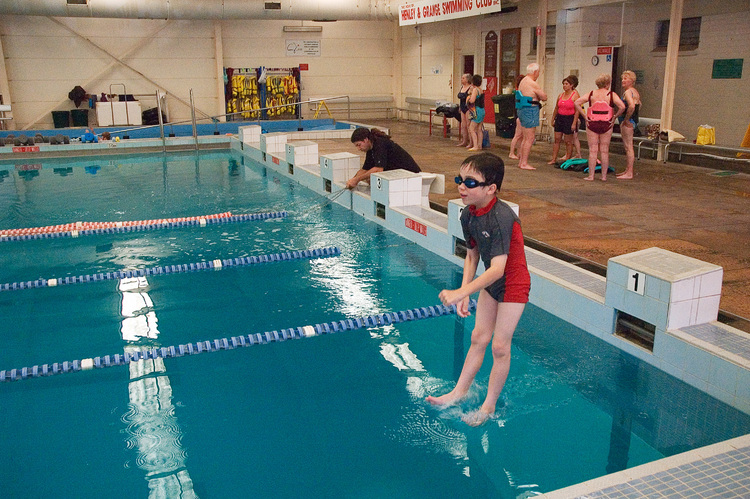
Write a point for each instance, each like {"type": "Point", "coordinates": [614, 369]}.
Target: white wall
{"type": "Point", "coordinates": [45, 61]}
{"type": "Point", "coordinates": [699, 99]}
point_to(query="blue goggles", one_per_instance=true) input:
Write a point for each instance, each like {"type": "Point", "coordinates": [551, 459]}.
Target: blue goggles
{"type": "Point", "coordinates": [470, 183]}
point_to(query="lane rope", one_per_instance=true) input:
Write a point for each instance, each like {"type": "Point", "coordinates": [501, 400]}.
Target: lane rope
{"type": "Point", "coordinates": [174, 269]}
{"type": "Point", "coordinates": [95, 228]}
{"type": "Point", "coordinates": [232, 343]}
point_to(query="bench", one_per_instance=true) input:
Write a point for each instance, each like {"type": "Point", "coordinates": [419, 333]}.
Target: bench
{"type": "Point", "coordinates": [706, 150]}
{"type": "Point", "coordinates": [652, 144]}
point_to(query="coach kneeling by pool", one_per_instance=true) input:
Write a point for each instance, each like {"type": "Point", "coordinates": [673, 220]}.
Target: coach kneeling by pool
{"type": "Point", "coordinates": [382, 154]}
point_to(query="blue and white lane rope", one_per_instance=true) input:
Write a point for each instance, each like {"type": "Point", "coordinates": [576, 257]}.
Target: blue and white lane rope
{"type": "Point", "coordinates": [294, 333]}
{"type": "Point", "coordinates": [174, 269]}
{"type": "Point", "coordinates": [202, 222]}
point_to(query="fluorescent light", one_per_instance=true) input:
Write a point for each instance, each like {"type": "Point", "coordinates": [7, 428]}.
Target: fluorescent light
{"type": "Point", "coordinates": [303, 29]}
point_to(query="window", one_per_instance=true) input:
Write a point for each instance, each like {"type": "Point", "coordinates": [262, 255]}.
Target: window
{"type": "Point", "coordinates": [549, 45]}
{"type": "Point", "coordinates": [690, 34]}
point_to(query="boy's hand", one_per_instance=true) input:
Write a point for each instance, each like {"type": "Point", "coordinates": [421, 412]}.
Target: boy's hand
{"type": "Point", "coordinates": [453, 297]}
{"type": "Point", "coordinates": [462, 307]}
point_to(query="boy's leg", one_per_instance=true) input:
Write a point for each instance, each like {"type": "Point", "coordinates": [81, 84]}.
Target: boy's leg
{"type": "Point", "coordinates": [481, 336]}
{"type": "Point", "coordinates": [507, 317]}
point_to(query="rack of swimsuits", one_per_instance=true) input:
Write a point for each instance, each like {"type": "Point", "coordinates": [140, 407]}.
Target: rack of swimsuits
{"type": "Point", "coordinates": [249, 90]}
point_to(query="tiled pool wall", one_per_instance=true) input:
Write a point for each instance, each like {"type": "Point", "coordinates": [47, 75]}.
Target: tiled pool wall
{"type": "Point", "coordinates": [706, 354]}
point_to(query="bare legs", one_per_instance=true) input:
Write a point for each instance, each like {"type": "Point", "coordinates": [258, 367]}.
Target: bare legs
{"type": "Point", "coordinates": [496, 323]}
{"type": "Point", "coordinates": [627, 131]}
{"type": "Point", "coordinates": [556, 148]}
{"type": "Point", "coordinates": [518, 136]}
{"type": "Point", "coordinates": [593, 140]}
{"type": "Point", "coordinates": [598, 146]}
{"type": "Point", "coordinates": [528, 140]}
{"type": "Point", "coordinates": [475, 136]}
{"type": "Point", "coordinates": [464, 130]}
{"type": "Point", "coordinates": [577, 144]}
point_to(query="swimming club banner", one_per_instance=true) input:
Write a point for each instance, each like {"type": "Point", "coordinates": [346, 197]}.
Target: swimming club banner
{"type": "Point", "coordinates": [430, 11]}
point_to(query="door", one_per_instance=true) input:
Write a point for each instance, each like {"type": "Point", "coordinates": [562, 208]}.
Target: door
{"type": "Point", "coordinates": [510, 50]}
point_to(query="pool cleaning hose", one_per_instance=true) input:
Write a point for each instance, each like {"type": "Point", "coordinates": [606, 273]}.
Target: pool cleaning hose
{"type": "Point", "coordinates": [294, 333]}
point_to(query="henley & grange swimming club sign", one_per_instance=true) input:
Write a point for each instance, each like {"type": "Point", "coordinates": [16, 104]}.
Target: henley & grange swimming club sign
{"type": "Point", "coordinates": [429, 11]}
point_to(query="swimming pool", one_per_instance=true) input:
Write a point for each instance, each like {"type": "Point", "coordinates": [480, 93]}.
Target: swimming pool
{"type": "Point", "coordinates": [335, 415]}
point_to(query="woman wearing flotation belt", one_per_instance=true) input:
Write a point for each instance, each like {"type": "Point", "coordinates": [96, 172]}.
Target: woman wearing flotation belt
{"type": "Point", "coordinates": [599, 120]}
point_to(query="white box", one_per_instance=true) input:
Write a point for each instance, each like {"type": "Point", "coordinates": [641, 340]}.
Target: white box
{"type": "Point", "coordinates": [339, 167]}
{"type": "Point", "coordinates": [118, 113]}
{"type": "Point", "coordinates": [689, 289]}
{"type": "Point", "coordinates": [392, 188]}
{"type": "Point", "coordinates": [302, 152]}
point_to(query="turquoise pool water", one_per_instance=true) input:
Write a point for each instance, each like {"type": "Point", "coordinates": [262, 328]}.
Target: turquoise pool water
{"type": "Point", "coordinates": [339, 415]}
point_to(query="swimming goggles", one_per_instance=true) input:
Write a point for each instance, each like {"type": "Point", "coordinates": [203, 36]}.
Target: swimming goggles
{"type": "Point", "coordinates": [470, 183]}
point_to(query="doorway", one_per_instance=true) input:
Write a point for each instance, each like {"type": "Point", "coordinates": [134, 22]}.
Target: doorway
{"type": "Point", "coordinates": [468, 65]}
{"type": "Point", "coordinates": [510, 56]}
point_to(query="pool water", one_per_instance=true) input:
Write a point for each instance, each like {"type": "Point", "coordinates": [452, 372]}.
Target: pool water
{"type": "Point", "coordinates": [340, 415]}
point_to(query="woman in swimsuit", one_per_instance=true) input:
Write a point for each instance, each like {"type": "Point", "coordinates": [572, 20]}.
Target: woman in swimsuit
{"type": "Point", "coordinates": [598, 139]}
{"type": "Point", "coordinates": [565, 120]}
{"type": "Point", "coordinates": [629, 121]}
{"type": "Point", "coordinates": [464, 108]}
{"type": "Point", "coordinates": [475, 102]}
{"type": "Point", "coordinates": [517, 140]}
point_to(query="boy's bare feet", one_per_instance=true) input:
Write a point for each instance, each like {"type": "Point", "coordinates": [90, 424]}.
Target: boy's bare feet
{"type": "Point", "coordinates": [449, 398]}
{"type": "Point", "coordinates": [476, 418]}
{"type": "Point", "coordinates": [512, 156]}
{"type": "Point", "coordinates": [526, 167]}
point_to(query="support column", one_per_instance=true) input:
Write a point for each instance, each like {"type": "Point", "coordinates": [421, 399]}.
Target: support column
{"type": "Point", "coordinates": [221, 107]}
{"type": "Point", "coordinates": [541, 41]}
{"type": "Point", "coordinates": [670, 68]}
{"type": "Point", "coordinates": [5, 89]}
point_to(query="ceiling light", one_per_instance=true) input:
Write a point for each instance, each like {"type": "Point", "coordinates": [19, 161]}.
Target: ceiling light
{"type": "Point", "coordinates": [303, 29]}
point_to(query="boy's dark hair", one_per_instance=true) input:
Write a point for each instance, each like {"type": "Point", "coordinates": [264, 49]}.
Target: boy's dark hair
{"type": "Point", "coordinates": [363, 133]}
{"type": "Point", "coordinates": [489, 165]}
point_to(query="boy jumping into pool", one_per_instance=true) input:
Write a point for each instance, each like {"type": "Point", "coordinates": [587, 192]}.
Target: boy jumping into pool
{"type": "Point", "coordinates": [492, 232]}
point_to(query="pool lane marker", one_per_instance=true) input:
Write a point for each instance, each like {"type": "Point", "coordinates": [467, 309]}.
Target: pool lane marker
{"type": "Point", "coordinates": [175, 269]}
{"type": "Point", "coordinates": [96, 228]}
{"type": "Point", "coordinates": [232, 343]}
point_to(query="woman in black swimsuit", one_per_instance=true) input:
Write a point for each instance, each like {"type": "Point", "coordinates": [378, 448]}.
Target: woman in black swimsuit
{"type": "Point", "coordinates": [462, 95]}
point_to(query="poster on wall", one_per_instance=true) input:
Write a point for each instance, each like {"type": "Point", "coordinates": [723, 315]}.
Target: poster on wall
{"type": "Point", "coordinates": [430, 11]}
{"type": "Point", "coordinates": [309, 48]}
{"type": "Point", "coordinates": [490, 54]}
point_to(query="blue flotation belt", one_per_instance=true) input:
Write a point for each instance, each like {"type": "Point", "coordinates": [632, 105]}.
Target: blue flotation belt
{"type": "Point", "coordinates": [524, 101]}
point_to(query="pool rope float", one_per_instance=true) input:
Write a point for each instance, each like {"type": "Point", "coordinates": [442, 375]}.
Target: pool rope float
{"type": "Point", "coordinates": [231, 343]}
{"type": "Point", "coordinates": [89, 228]}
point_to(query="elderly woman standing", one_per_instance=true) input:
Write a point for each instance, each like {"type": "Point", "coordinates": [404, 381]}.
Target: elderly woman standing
{"type": "Point", "coordinates": [600, 116]}
{"type": "Point", "coordinates": [629, 122]}
{"type": "Point", "coordinates": [463, 94]}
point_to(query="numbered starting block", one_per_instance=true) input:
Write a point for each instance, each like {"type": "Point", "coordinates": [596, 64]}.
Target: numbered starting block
{"type": "Point", "coordinates": [665, 289]}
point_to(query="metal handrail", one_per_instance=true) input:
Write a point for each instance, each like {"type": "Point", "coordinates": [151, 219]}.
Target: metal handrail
{"type": "Point", "coordinates": [214, 119]}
